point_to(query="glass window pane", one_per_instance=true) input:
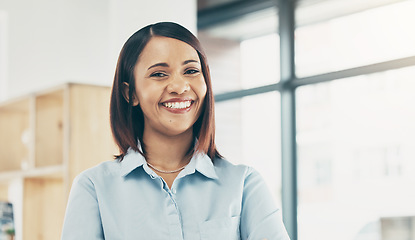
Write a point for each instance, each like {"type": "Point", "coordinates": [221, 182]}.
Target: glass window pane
{"type": "Point", "coordinates": [364, 38]}
{"type": "Point", "coordinates": [356, 151]}
{"type": "Point", "coordinates": [224, 58]}
{"type": "Point", "coordinates": [248, 132]}
{"type": "Point", "coordinates": [243, 53]}
{"type": "Point", "coordinates": [238, 65]}
{"type": "Point", "coordinates": [260, 63]}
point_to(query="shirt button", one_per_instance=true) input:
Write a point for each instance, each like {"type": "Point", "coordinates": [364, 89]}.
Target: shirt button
{"type": "Point", "coordinates": [153, 176]}
{"type": "Point", "coordinates": [173, 191]}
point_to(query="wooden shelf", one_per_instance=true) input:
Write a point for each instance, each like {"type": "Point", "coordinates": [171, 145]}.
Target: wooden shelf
{"type": "Point", "coordinates": [49, 171]}
{"type": "Point", "coordinates": [49, 129]}
{"type": "Point", "coordinates": [47, 138]}
{"type": "Point", "coordinates": [43, 208]}
{"type": "Point", "coordinates": [15, 135]}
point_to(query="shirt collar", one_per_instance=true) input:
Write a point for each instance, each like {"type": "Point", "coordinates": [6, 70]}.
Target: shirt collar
{"type": "Point", "coordinates": [200, 162]}
{"type": "Point", "coordinates": [131, 161]}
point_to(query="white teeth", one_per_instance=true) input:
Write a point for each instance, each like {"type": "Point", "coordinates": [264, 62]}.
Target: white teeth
{"type": "Point", "coordinates": [178, 105]}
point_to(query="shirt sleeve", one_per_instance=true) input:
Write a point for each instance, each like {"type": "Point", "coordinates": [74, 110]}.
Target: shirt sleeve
{"type": "Point", "coordinates": [260, 218]}
{"type": "Point", "coordinates": [82, 218]}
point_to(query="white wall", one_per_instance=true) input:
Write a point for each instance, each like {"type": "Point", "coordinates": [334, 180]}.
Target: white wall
{"type": "Point", "coordinates": [50, 42]}
{"type": "Point", "coordinates": [3, 54]}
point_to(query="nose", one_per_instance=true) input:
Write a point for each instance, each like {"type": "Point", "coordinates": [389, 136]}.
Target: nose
{"type": "Point", "coordinates": [178, 85]}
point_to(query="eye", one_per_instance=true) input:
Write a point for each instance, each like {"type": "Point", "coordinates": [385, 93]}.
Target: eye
{"type": "Point", "coordinates": [191, 71]}
{"type": "Point", "coordinates": [158, 74]}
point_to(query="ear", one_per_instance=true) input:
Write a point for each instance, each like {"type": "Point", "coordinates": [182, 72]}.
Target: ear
{"type": "Point", "coordinates": [126, 94]}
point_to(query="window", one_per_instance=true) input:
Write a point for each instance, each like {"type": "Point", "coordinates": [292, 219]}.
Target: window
{"type": "Point", "coordinates": [353, 94]}
{"type": "Point", "coordinates": [355, 153]}
{"type": "Point", "coordinates": [243, 54]}
{"type": "Point", "coordinates": [363, 38]}
{"type": "Point", "coordinates": [248, 132]}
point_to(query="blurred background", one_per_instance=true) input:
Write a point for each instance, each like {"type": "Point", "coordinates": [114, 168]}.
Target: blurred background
{"type": "Point", "coordinates": [317, 95]}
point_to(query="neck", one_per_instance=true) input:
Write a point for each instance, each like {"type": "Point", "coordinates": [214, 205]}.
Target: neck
{"type": "Point", "coordinates": [168, 152]}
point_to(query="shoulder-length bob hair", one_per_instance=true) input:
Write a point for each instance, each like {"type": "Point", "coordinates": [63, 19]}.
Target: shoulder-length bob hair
{"type": "Point", "coordinates": [127, 121]}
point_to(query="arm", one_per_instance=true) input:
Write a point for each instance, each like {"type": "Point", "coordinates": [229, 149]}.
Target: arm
{"type": "Point", "coordinates": [82, 218]}
{"type": "Point", "coordinates": [260, 218]}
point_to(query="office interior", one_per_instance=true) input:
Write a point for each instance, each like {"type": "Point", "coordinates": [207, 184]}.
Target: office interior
{"type": "Point", "coordinates": [317, 95]}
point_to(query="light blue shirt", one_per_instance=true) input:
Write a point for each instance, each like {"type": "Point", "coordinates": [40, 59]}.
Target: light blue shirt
{"type": "Point", "coordinates": [208, 200]}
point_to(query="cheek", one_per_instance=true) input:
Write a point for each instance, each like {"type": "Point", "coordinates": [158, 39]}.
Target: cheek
{"type": "Point", "coordinates": [148, 96]}
{"type": "Point", "coordinates": [200, 89]}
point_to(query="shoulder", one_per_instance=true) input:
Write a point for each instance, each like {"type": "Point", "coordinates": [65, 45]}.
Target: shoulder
{"type": "Point", "coordinates": [103, 170]}
{"type": "Point", "coordinates": [224, 167]}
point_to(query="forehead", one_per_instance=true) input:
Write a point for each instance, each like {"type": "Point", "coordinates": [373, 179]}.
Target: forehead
{"type": "Point", "coordinates": [164, 49]}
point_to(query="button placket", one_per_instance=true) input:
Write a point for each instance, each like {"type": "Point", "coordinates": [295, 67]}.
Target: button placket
{"type": "Point", "coordinates": [173, 215]}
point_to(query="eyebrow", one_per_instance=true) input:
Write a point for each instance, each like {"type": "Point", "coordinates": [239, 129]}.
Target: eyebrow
{"type": "Point", "coordinates": [167, 65]}
{"type": "Point", "coordinates": [190, 61]}
{"type": "Point", "coordinates": [158, 65]}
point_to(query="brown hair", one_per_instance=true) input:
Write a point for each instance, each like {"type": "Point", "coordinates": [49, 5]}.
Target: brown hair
{"type": "Point", "coordinates": [127, 121]}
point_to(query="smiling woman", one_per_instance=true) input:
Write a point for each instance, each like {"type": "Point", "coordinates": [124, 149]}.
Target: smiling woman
{"type": "Point", "coordinates": [169, 181]}
{"type": "Point", "coordinates": [170, 88]}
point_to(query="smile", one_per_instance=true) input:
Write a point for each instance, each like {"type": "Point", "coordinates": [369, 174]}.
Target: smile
{"type": "Point", "coordinates": [177, 105]}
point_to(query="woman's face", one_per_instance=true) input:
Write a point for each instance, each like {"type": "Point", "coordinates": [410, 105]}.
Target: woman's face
{"type": "Point", "coordinates": [170, 86]}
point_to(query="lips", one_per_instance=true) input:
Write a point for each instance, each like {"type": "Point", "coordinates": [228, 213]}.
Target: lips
{"type": "Point", "coordinates": [178, 105]}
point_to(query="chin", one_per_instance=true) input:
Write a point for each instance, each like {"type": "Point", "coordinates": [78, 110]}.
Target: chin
{"type": "Point", "coordinates": [178, 131]}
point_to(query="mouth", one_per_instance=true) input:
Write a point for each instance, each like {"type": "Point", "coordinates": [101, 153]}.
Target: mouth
{"type": "Point", "coordinates": [178, 105]}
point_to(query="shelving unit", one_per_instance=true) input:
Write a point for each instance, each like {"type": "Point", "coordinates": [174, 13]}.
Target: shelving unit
{"type": "Point", "coordinates": [46, 139]}
{"type": "Point", "coordinates": [49, 113]}
{"type": "Point", "coordinates": [15, 130]}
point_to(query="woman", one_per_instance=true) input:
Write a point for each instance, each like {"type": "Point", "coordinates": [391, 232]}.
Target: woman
{"type": "Point", "coordinates": [169, 181]}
